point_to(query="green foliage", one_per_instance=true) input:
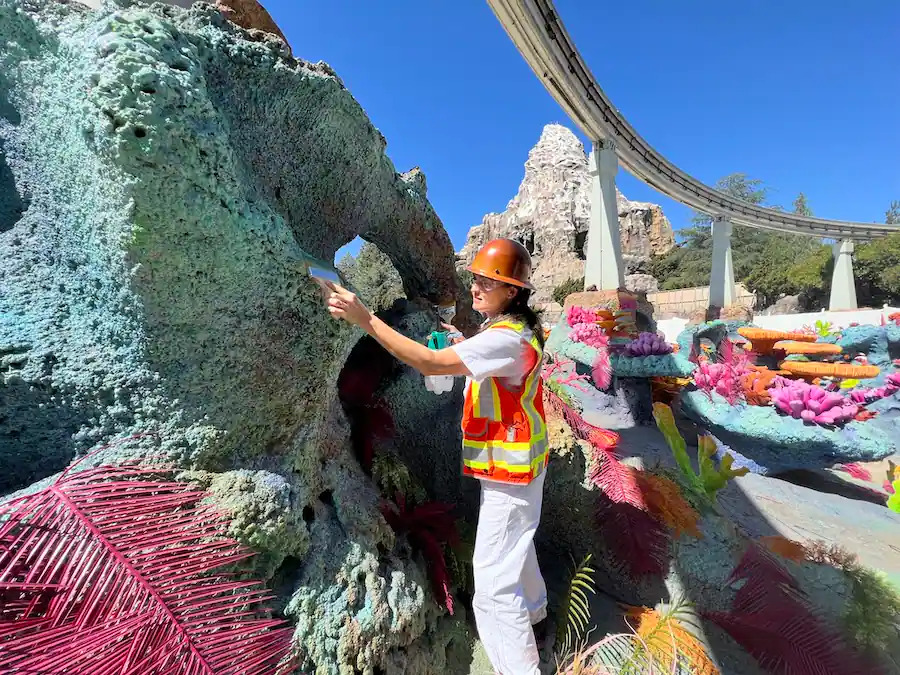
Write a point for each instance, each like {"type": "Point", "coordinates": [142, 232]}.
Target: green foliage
{"type": "Point", "coordinates": [712, 478]}
{"type": "Point", "coordinates": [566, 288]}
{"type": "Point", "coordinates": [893, 502]}
{"type": "Point", "coordinates": [801, 208]}
{"type": "Point", "coordinates": [892, 215]}
{"type": "Point", "coordinates": [576, 607]}
{"type": "Point", "coordinates": [373, 276]}
{"type": "Point", "coordinates": [392, 477]}
{"type": "Point", "coordinates": [823, 329]}
{"type": "Point", "coordinates": [739, 186]}
{"type": "Point", "coordinates": [876, 266]}
{"type": "Point", "coordinates": [873, 611]}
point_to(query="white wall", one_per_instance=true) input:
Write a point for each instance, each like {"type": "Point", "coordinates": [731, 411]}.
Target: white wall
{"type": "Point", "coordinates": [789, 322]}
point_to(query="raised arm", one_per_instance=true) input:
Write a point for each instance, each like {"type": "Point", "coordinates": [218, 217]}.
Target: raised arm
{"type": "Point", "coordinates": [342, 304]}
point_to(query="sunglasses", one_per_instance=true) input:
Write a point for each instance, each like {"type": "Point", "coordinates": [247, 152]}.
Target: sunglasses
{"type": "Point", "coordinates": [486, 284]}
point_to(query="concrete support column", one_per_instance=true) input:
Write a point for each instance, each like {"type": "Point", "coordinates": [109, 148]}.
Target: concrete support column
{"type": "Point", "coordinates": [843, 285]}
{"type": "Point", "coordinates": [721, 279]}
{"type": "Point", "coordinates": [603, 267]}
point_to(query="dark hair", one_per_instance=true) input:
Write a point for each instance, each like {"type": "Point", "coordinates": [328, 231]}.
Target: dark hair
{"type": "Point", "coordinates": [518, 309]}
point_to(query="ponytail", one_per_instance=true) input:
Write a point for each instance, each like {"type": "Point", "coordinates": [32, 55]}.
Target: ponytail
{"type": "Point", "coordinates": [518, 309]}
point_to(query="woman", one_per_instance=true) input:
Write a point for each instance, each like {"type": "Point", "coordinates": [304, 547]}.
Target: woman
{"type": "Point", "coordinates": [504, 441]}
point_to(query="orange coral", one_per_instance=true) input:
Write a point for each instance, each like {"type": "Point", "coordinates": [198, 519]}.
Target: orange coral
{"type": "Point", "coordinates": [786, 548]}
{"type": "Point", "coordinates": [665, 503]}
{"type": "Point", "coordinates": [813, 369]}
{"type": "Point", "coordinates": [756, 384]}
{"type": "Point", "coordinates": [669, 642]}
{"type": "Point", "coordinates": [808, 348]}
{"type": "Point", "coordinates": [763, 341]}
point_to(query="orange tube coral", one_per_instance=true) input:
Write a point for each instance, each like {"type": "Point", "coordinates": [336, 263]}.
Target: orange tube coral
{"type": "Point", "coordinates": [813, 369]}
{"type": "Point", "coordinates": [807, 348]}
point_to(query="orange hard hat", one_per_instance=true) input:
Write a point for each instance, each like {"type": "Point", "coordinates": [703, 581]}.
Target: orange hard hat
{"type": "Point", "coordinates": [505, 260]}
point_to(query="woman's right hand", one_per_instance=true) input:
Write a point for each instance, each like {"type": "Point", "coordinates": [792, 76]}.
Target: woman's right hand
{"type": "Point", "coordinates": [453, 329]}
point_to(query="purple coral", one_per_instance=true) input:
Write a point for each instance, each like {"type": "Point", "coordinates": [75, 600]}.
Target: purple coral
{"type": "Point", "coordinates": [648, 344]}
{"type": "Point", "coordinates": [813, 404]}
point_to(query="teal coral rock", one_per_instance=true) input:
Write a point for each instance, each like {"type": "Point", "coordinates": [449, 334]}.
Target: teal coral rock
{"type": "Point", "coordinates": [780, 443]}
{"type": "Point", "coordinates": [164, 178]}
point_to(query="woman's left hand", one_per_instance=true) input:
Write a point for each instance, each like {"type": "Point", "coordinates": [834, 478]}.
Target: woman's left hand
{"type": "Point", "coordinates": [342, 304]}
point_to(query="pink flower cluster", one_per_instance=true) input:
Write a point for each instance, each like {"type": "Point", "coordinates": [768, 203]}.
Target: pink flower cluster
{"type": "Point", "coordinates": [889, 388]}
{"type": "Point", "coordinates": [576, 315]}
{"type": "Point", "coordinates": [812, 404]}
{"type": "Point", "coordinates": [590, 334]}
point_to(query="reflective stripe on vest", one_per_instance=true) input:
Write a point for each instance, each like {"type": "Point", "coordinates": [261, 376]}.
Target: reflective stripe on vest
{"type": "Point", "coordinates": [504, 432]}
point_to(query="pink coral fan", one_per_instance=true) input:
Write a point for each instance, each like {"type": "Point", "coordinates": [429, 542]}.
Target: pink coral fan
{"type": "Point", "coordinates": [576, 315]}
{"type": "Point", "coordinates": [812, 404]}
{"type": "Point", "coordinates": [601, 369]}
{"type": "Point", "coordinates": [590, 334]}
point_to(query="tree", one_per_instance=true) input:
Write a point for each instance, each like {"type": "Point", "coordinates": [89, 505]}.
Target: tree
{"type": "Point", "coordinates": [764, 261]}
{"type": "Point", "coordinates": [892, 215]}
{"type": "Point", "coordinates": [876, 267]}
{"type": "Point", "coordinates": [738, 186]}
{"type": "Point", "coordinates": [801, 208]}
{"type": "Point", "coordinates": [373, 276]}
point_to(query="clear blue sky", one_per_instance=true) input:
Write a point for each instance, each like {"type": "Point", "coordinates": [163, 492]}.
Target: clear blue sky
{"type": "Point", "coordinates": [804, 95]}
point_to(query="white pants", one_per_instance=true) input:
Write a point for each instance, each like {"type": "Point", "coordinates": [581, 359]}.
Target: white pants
{"type": "Point", "coordinates": [510, 595]}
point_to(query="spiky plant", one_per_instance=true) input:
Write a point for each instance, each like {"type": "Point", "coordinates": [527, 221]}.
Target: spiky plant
{"type": "Point", "coordinates": [575, 607]}
{"type": "Point", "coordinates": [711, 478]}
{"type": "Point", "coordinates": [114, 571]}
{"type": "Point", "coordinates": [630, 533]}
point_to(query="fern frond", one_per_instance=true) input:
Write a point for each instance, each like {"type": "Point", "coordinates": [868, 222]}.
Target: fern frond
{"type": "Point", "coordinates": [633, 537]}
{"type": "Point", "coordinates": [616, 480]}
{"type": "Point", "coordinates": [576, 606]}
{"type": "Point", "coordinates": [669, 642]}
{"type": "Point", "coordinates": [773, 621]}
{"type": "Point", "coordinates": [112, 571]}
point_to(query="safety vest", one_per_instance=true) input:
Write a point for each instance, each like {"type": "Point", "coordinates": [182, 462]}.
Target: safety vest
{"type": "Point", "coordinates": [504, 431]}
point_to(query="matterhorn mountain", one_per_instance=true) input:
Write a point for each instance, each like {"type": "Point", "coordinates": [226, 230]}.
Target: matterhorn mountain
{"type": "Point", "coordinates": [550, 215]}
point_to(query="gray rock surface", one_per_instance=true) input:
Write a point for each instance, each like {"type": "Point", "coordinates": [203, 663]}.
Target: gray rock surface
{"type": "Point", "coordinates": [550, 215]}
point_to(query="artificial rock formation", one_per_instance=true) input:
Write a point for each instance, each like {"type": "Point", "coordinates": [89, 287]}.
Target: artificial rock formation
{"type": "Point", "coordinates": [550, 214]}
{"type": "Point", "coordinates": [153, 295]}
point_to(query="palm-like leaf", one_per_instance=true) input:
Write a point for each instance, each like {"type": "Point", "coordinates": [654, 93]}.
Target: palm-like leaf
{"type": "Point", "coordinates": [576, 606]}
{"type": "Point", "coordinates": [110, 572]}
{"type": "Point", "coordinates": [772, 619]}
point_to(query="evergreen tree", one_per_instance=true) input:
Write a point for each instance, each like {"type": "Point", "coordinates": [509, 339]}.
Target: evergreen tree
{"type": "Point", "coordinates": [801, 208]}
{"type": "Point", "coordinates": [892, 215]}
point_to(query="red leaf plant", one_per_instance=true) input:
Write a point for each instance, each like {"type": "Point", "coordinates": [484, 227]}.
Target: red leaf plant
{"type": "Point", "coordinates": [772, 619]}
{"type": "Point", "coordinates": [112, 572]}
{"type": "Point", "coordinates": [629, 531]}
{"type": "Point", "coordinates": [855, 470]}
{"type": "Point", "coordinates": [633, 536]}
{"type": "Point", "coordinates": [427, 527]}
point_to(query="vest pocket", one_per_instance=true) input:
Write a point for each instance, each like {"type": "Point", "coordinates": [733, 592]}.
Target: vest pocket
{"type": "Point", "coordinates": [476, 427]}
